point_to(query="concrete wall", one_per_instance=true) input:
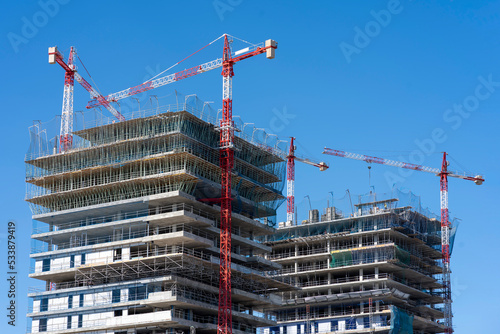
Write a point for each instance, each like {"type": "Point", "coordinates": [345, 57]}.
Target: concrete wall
{"type": "Point", "coordinates": [89, 300]}
{"type": "Point", "coordinates": [100, 257]}
{"type": "Point", "coordinates": [58, 303]}
{"type": "Point", "coordinates": [325, 326]}
{"type": "Point", "coordinates": [36, 306]}
{"type": "Point", "coordinates": [38, 266]}
{"type": "Point", "coordinates": [60, 263]}
{"type": "Point", "coordinates": [99, 298]}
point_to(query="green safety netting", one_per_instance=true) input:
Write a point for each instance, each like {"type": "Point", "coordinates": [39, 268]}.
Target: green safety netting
{"type": "Point", "coordinates": [340, 259]}
{"type": "Point", "coordinates": [402, 255]}
{"type": "Point", "coordinates": [401, 322]}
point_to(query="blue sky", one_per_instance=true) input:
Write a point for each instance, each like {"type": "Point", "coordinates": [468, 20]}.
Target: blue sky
{"type": "Point", "coordinates": [403, 80]}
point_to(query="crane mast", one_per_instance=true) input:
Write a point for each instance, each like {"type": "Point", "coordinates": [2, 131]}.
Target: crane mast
{"type": "Point", "coordinates": [290, 178]}
{"type": "Point", "coordinates": [226, 160]}
{"type": "Point", "coordinates": [66, 137]}
{"type": "Point", "coordinates": [445, 244]}
{"type": "Point", "coordinates": [290, 182]}
{"type": "Point", "coordinates": [225, 319]}
{"type": "Point", "coordinates": [443, 174]}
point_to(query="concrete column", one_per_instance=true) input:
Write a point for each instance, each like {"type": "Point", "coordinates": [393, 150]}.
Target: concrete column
{"type": "Point", "coordinates": [375, 239]}
{"type": "Point", "coordinates": [296, 250]}
{"type": "Point", "coordinates": [361, 274]}
{"type": "Point", "coordinates": [360, 241]}
{"type": "Point", "coordinates": [376, 272]}
{"type": "Point", "coordinates": [377, 306]}
{"type": "Point", "coordinates": [157, 210]}
{"type": "Point", "coordinates": [329, 278]}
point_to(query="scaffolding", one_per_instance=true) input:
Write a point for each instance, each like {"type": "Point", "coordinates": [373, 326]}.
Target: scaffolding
{"type": "Point", "coordinates": [168, 149]}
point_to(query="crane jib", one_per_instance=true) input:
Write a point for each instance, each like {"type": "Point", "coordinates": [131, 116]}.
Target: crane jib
{"type": "Point", "coordinates": [141, 88]}
{"type": "Point", "coordinates": [156, 83]}
{"type": "Point", "coordinates": [465, 176]}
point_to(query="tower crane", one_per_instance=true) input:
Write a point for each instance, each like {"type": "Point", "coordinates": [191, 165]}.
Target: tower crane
{"type": "Point", "coordinates": [290, 178]}
{"type": "Point", "coordinates": [226, 163]}
{"type": "Point", "coordinates": [443, 174]}
{"type": "Point", "coordinates": [66, 137]}
{"type": "Point", "coordinates": [226, 154]}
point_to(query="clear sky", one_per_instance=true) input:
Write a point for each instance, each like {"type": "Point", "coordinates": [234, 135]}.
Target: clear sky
{"type": "Point", "coordinates": [398, 79]}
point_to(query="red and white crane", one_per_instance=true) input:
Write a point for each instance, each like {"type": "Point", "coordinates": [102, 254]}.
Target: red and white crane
{"type": "Point", "coordinates": [66, 137]}
{"type": "Point", "coordinates": [226, 158]}
{"type": "Point", "coordinates": [152, 84]}
{"type": "Point", "coordinates": [290, 178]}
{"type": "Point", "coordinates": [443, 174]}
{"type": "Point", "coordinates": [226, 163]}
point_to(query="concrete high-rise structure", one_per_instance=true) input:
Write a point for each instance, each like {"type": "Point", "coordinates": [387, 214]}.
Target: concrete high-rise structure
{"type": "Point", "coordinates": [375, 270]}
{"type": "Point", "coordinates": [127, 225]}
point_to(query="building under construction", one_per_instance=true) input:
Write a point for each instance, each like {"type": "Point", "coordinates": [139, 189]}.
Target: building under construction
{"type": "Point", "coordinates": [127, 227]}
{"type": "Point", "coordinates": [375, 270]}
{"type": "Point", "coordinates": [126, 239]}
{"type": "Point", "coordinates": [164, 221]}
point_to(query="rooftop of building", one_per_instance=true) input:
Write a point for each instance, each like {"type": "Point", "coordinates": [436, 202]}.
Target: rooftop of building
{"type": "Point", "coordinates": [177, 142]}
